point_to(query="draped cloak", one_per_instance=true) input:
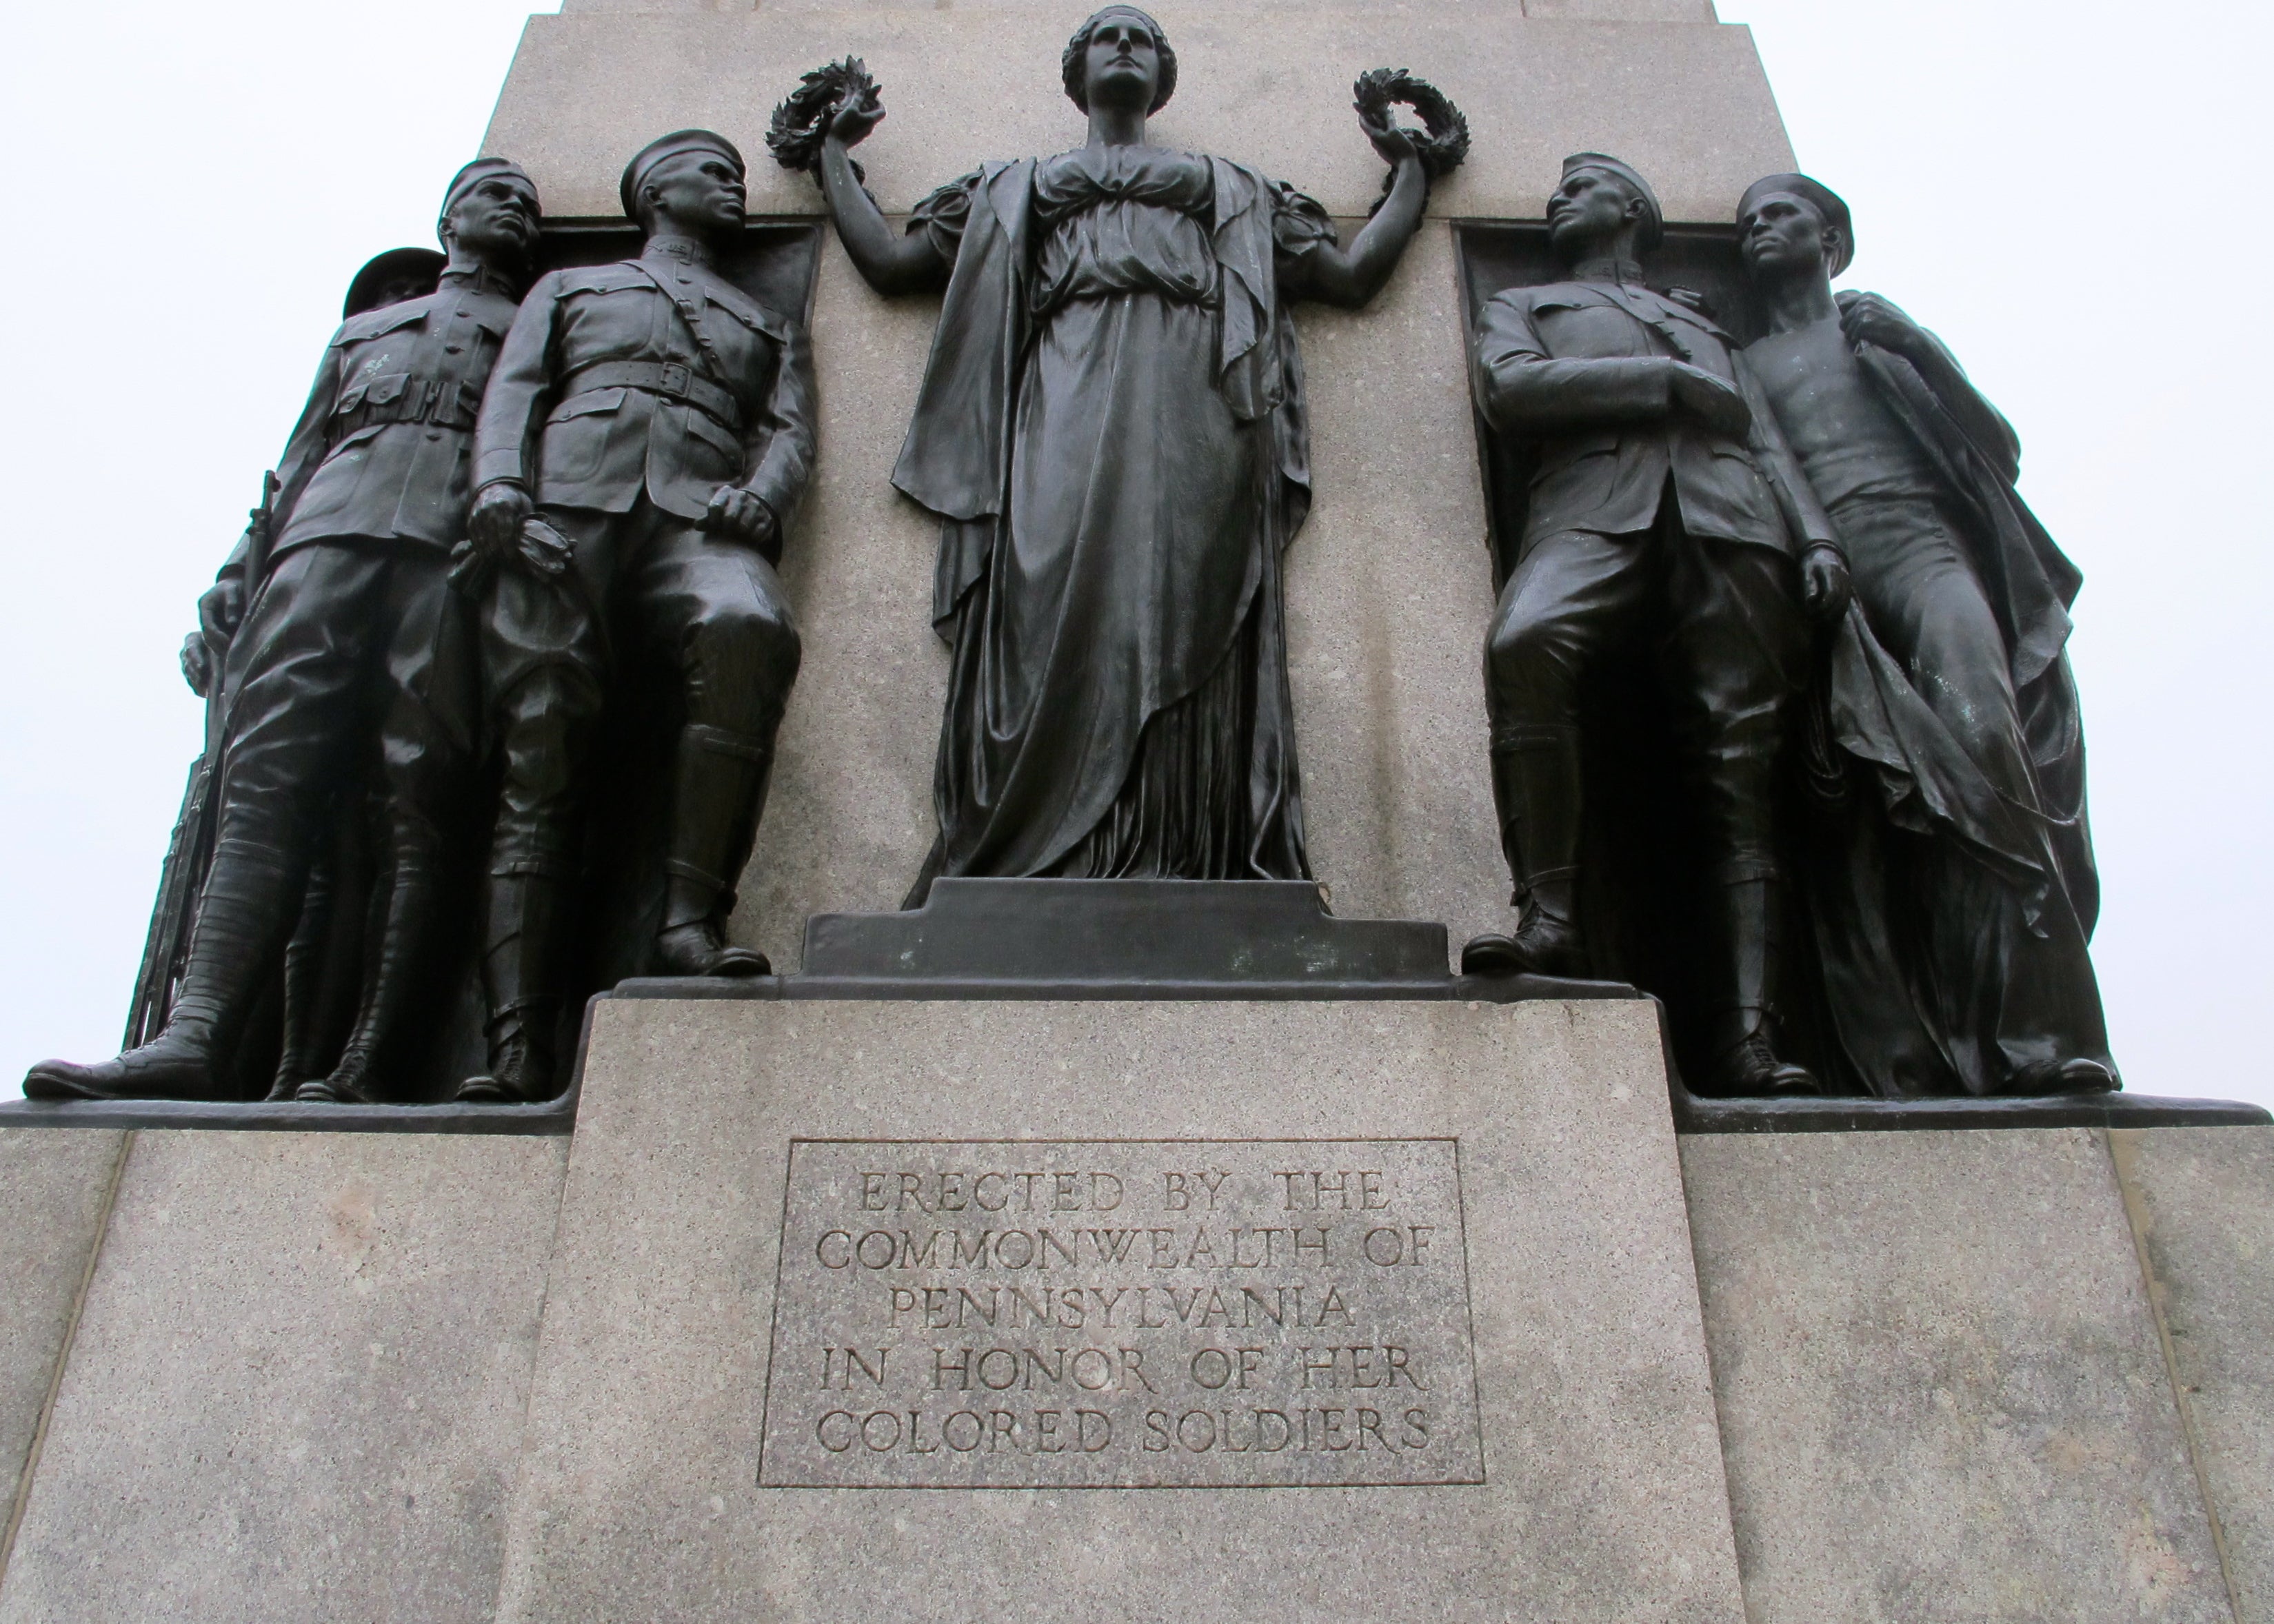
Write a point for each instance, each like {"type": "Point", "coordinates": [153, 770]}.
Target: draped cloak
{"type": "Point", "coordinates": [2039, 848]}
{"type": "Point", "coordinates": [1112, 431]}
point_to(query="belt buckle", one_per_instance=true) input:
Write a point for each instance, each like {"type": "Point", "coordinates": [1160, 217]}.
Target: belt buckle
{"type": "Point", "coordinates": [675, 380]}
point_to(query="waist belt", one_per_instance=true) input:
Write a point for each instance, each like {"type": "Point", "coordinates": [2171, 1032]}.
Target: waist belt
{"type": "Point", "coordinates": [669, 379]}
{"type": "Point", "coordinates": [444, 403]}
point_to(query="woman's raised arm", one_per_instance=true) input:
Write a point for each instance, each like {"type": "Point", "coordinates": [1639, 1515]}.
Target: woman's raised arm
{"type": "Point", "coordinates": [1350, 276]}
{"type": "Point", "coordinates": [889, 264]}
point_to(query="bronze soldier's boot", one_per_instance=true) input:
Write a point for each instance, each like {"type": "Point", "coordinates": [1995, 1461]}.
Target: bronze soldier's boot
{"type": "Point", "coordinates": [1744, 1064]}
{"type": "Point", "coordinates": [1536, 787]}
{"type": "Point", "coordinates": [717, 801]}
{"type": "Point", "coordinates": [2075, 1076]}
{"type": "Point", "coordinates": [304, 980]}
{"type": "Point", "coordinates": [245, 905]}
{"type": "Point", "coordinates": [521, 975]}
{"type": "Point", "coordinates": [415, 847]}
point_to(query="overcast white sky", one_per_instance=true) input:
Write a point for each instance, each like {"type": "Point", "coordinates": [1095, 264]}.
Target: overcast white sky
{"type": "Point", "coordinates": [2069, 191]}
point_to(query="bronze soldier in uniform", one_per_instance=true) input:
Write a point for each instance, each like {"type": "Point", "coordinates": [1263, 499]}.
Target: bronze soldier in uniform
{"type": "Point", "coordinates": [652, 425]}
{"type": "Point", "coordinates": [1663, 501]}
{"type": "Point", "coordinates": [346, 619]}
{"type": "Point", "coordinates": [1953, 914]}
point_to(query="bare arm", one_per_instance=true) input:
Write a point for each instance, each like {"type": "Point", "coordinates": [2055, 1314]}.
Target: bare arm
{"type": "Point", "coordinates": [1350, 277]}
{"type": "Point", "coordinates": [889, 264]}
{"type": "Point", "coordinates": [1825, 586]}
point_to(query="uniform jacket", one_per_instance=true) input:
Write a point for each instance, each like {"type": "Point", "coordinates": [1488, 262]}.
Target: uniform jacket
{"type": "Point", "coordinates": [654, 375]}
{"type": "Point", "coordinates": [385, 446]}
{"type": "Point", "coordinates": [1581, 370]}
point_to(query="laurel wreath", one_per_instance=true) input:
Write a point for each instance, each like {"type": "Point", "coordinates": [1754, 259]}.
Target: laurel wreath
{"type": "Point", "coordinates": [795, 132]}
{"type": "Point", "coordinates": [1443, 141]}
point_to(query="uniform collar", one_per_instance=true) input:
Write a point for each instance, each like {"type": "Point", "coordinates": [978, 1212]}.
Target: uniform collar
{"type": "Point", "coordinates": [1625, 273]}
{"type": "Point", "coordinates": [479, 279]}
{"type": "Point", "coordinates": [684, 250]}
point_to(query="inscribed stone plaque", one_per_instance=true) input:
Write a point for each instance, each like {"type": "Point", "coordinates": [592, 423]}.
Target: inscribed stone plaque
{"type": "Point", "coordinates": [1121, 1313]}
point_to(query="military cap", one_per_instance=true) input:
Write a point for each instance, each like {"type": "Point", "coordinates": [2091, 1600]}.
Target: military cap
{"type": "Point", "coordinates": [472, 176]}
{"type": "Point", "coordinates": [421, 266]}
{"type": "Point", "coordinates": [1827, 202]}
{"type": "Point", "coordinates": [1653, 218]}
{"type": "Point", "coordinates": [670, 146]}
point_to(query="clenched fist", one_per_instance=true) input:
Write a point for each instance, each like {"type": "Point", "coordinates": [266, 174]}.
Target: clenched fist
{"type": "Point", "coordinates": [737, 515]}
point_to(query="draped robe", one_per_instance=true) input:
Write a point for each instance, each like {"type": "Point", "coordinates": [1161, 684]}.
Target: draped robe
{"type": "Point", "coordinates": [1111, 429]}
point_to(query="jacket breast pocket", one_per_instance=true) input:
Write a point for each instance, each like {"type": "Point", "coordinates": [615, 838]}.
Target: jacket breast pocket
{"type": "Point", "coordinates": [383, 390]}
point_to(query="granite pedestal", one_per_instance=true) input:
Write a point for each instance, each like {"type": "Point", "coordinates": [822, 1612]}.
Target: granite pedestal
{"type": "Point", "coordinates": [296, 1389]}
{"type": "Point", "coordinates": [785, 1259]}
{"type": "Point", "coordinates": [1941, 1388]}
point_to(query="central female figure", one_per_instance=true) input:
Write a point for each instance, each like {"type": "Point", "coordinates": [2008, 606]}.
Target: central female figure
{"type": "Point", "coordinates": [1113, 431]}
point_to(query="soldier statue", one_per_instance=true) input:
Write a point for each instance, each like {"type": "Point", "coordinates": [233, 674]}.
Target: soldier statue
{"type": "Point", "coordinates": [1662, 515]}
{"type": "Point", "coordinates": [333, 629]}
{"type": "Point", "coordinates": [648, 432]}
{"type": "Point", "coordinates": [1953, 898]}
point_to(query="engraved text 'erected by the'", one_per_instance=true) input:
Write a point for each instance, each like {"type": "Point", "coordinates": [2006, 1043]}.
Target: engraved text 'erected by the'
{"type": "Point", "coordinates": [1121, 1313]}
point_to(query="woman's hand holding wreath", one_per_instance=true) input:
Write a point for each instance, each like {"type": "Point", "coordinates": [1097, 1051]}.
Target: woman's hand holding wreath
{"type": "Point", "coordinates": [839, 99]}
{"type": "Point", "coordinates": [1441, 142]}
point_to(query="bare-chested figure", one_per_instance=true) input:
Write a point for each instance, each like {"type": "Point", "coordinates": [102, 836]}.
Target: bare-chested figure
{"type": "Point", "coordinates": [1954, 896]}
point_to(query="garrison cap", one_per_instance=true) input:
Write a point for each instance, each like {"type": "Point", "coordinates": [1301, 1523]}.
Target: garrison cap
{"type": "Point", "coordinates": [1653, 218]}
{"type": "Point", "coordinates": [422, 266]}
{"type": "Point", "coordinates": [1818, 196]}
{"type": "Point", "coordinates": [474, 173]}
{"type": "Point", "coordinates": [670, 146]}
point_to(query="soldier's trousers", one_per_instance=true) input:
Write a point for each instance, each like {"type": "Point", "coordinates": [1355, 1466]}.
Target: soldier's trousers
{"type": "Point", "coordinates": [346, 644]}
{"type": "Point", "coordinates": [1999, 995]}
{"type": "Point", "coordinates": [712, 610]}
{"type": "Point", "coordinates": [1722, 622]}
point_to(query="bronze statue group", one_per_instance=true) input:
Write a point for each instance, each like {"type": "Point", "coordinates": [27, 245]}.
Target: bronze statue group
{"type": "Point", "coordinates": [517, 512]}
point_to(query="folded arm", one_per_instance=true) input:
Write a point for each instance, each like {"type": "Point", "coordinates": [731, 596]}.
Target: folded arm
{"type": "Point", "coordinates": [1522, 389]}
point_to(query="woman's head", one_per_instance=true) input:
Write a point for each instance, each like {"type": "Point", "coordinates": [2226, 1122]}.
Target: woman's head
{"type": "Point", "coordinates": [1120, 53]}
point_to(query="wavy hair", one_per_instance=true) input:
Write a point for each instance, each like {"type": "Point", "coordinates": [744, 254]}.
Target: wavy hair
{"type": "Point", "coordinates": [1073, 70]}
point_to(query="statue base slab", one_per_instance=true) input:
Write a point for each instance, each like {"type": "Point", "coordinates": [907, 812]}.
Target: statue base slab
{"type": "Point", "coordinates": [1049, 1216]}
{"type": "Point", "coordinates": [295, 1379]}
